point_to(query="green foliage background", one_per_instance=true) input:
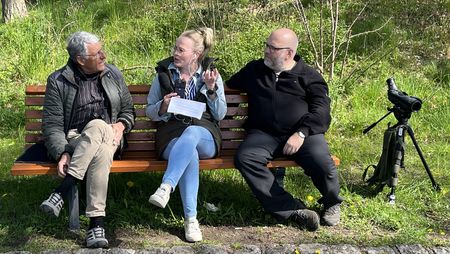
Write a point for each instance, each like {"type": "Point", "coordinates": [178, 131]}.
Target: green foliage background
{"type": "Point", "coordinates": [413, 46]}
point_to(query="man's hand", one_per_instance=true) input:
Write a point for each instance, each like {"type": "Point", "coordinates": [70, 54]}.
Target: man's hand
{"type": "Point", "coordinates": [118, 129]}
{"type": "Point", "coordinates": [165, 103]}
{"type": "Point", "coordinates": [293, 144]}
{"type": "Point", "coordinates": [63, 164]}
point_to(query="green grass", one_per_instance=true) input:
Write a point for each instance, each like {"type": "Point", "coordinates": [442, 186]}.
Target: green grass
{"type": "Point", "coordinates": [139, 33]}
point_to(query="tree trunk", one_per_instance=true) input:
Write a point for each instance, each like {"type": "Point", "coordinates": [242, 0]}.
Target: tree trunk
{"type": "Point", "coordinates": [12, 9]}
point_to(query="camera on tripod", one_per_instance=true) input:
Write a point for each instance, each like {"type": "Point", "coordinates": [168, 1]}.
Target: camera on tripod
{"type": "Point", "coordinates": [392, 156]}
{"type": "Point", "coordinates": [401, 99]}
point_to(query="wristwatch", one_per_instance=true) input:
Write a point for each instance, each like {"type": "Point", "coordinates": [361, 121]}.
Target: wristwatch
{"type": "Point", "coordinates": [301, 134]}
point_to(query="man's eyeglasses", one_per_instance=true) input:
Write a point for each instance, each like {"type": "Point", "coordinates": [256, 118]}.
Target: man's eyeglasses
{"type": "Point", "coordinates": [272, 48]}
{"type": "Point", "coordinates": [98, 54]}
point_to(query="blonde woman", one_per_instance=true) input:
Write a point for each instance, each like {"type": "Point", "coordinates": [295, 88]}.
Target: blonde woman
{"type": "Point", "coordinates": [183, 140]}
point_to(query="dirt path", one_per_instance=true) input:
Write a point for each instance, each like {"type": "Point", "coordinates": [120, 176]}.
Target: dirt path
{"type": "Point", "coordinates": [222, 235]}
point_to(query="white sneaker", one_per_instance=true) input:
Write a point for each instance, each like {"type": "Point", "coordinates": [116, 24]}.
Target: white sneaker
{"type": "Point", "coordinates": [95, 238]}
{"type": "Point", "coordinates": [53, 204]}
{"type": "Point", "coordinates": [161, 196]}
{"type": "Point", "coordinates": [192, 230]}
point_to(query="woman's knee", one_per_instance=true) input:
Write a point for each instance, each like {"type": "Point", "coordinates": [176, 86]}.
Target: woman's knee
{"type": "Point", "coordinates": [191, 133]}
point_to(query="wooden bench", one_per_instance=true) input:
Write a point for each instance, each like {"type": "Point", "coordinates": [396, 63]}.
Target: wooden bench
{"type": "Point", "coordinates": [140, 155]}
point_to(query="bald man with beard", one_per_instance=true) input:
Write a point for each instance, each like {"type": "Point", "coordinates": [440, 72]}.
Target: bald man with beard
{"type": "Point", "coordinates": [288, 114]}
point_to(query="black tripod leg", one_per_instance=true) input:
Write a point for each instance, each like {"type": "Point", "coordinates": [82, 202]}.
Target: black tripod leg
{"type": "Point", "coordinates": [411, 134]}
{"type": "Point", "coordinates": [398, 156]}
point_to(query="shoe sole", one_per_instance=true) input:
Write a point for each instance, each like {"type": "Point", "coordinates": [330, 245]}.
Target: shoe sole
{"type": "Point", "coordinates": [154, 200]}
{"type": "Point", "coordinates": [310, 222]}
{"type": "Point", "coordinates": [313, 223]}
{"type": "Point", "coordinates": [193, 239]}
{"type": "Point", "coordinates": [98, 244]}
{"type": "Point", "coordinates": [327, 223]}
{"type": "Point", "coordinates": [48, 210]}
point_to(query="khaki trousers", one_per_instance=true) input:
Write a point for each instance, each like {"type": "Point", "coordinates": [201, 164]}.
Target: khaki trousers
{"type": "Point", "coordinates": [92, 158]}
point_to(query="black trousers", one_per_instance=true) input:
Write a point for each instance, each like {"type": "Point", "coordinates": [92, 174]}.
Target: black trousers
{"type": "Point", "coordinates": [314, 157]}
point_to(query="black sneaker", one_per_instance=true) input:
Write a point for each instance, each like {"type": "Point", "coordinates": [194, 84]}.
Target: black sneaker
{"type": "Point", "coordinates": [95, 238]}
{"type": "Point", "coordinates": [332, 215]}
{"type": "Point", "coordinates": [306, 219]}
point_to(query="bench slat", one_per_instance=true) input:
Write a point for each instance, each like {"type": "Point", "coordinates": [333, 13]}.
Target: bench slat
{"type": "Point", "coordinates": [137, 100]}
{"type": "Point", "coordinates": [150, 146]}
{"type": "Point", "coordinates": [141, 165]}
{"type": "Point", "coordinates": [140, 112]}
{"type": "Point", "coordinates": [134, 89]}
{"type": "Point", "coordinates": [143, 136]}
{"type": "Point", "coordinates": [147, 124]}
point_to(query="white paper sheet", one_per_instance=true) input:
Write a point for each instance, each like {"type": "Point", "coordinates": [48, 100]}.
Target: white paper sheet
{"type": "Point", "coordinates": [185, 107]}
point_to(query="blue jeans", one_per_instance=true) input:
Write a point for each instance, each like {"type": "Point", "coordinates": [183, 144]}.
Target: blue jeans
{"type": "Point", "coordinates": [183, 154]}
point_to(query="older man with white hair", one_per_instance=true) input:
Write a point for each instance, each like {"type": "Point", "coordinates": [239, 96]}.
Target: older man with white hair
{"type": "Point", "coordinates": [87, 109]}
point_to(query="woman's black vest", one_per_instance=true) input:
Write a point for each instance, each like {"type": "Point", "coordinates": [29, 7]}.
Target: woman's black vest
{"type": "Point", "coordinates": [166, 131]}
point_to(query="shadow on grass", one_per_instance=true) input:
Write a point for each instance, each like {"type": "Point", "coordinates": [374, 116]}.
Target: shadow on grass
{"type": "Point", "coordinates": [362, 190]}
{"type": "Point", "coordinates": [22, 224]}
{"type": "Point", "coordinates": [21, 221]}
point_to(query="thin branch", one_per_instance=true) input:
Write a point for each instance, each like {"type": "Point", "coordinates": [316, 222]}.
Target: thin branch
{"type": "Point", "coordinates": [353, 70]}
{"type": "Point", "coordinates": [299, 7]}
{"type": "Point", "coordinates": [357, 35]}
{"type": "Point", "coordinates": [66, 25]}
{"type": "Point", "coordinates": [334, 26]}
{"type": "Point", "coordinates": [344, 59]}
{"type": "Point", "coordinates": [347, 42]}
{"type": "Point", "coordinates": [274, 5]}
{"type": "Point", "coordinates": [211, 6]}
{"type": "Point", "coordinates": [371, 31]}
{"type": "Point", "coordinates": [196, 10]}
{"type": "Point", "coordinates": [356, 18]}
{"type": "Point", "coordinates": [136, 67]}
{"type": "Point", "coordinates": [321, 33]}
{"type": "Point", "coordinates": [368, 67]}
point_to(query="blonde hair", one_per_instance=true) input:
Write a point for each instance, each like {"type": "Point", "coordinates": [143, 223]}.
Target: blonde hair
{"type": "Point", "coordinates": [203, 39]}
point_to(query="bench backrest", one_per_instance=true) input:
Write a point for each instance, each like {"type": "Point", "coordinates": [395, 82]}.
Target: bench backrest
{"type": "Point", "coordinates": [142, 137]}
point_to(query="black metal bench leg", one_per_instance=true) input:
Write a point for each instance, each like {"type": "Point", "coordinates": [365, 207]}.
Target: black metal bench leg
{"type": "Point", "coordinates": [74, 208]}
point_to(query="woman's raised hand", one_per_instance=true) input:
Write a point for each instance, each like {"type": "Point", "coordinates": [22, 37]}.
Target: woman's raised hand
{"type": "Point", "coordinates": [210, 77]}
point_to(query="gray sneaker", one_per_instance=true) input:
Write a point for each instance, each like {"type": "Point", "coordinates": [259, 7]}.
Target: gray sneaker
{"type": "Point", "coordinates": [306, 219]}
{"type": "Point", "coordinates": [161, 196]}
{"type": "Point", "coordinates": [332, 215]}
{"type": "Point", "coordinates": [53, 204]}
{"type": "Point", "coordinates": [95, 238]}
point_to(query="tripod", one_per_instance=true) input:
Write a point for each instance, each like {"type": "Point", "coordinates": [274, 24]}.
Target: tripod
{"type": "Point", "coordinates": [401, 126]}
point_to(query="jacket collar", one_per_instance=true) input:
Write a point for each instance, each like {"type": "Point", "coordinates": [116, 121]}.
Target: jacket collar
{"type": "Point", "coordinates": [298, 67]}
{"type": "Point", "coordinates": [297, 70]}
{"type": "Point", "coordinates": [72, 72]}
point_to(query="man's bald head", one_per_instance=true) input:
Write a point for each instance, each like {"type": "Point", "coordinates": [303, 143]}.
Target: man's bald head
{"type": "Point", "coordinates": [284, 37]}
{"type": "Point", "coordinates": [280, 50]}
